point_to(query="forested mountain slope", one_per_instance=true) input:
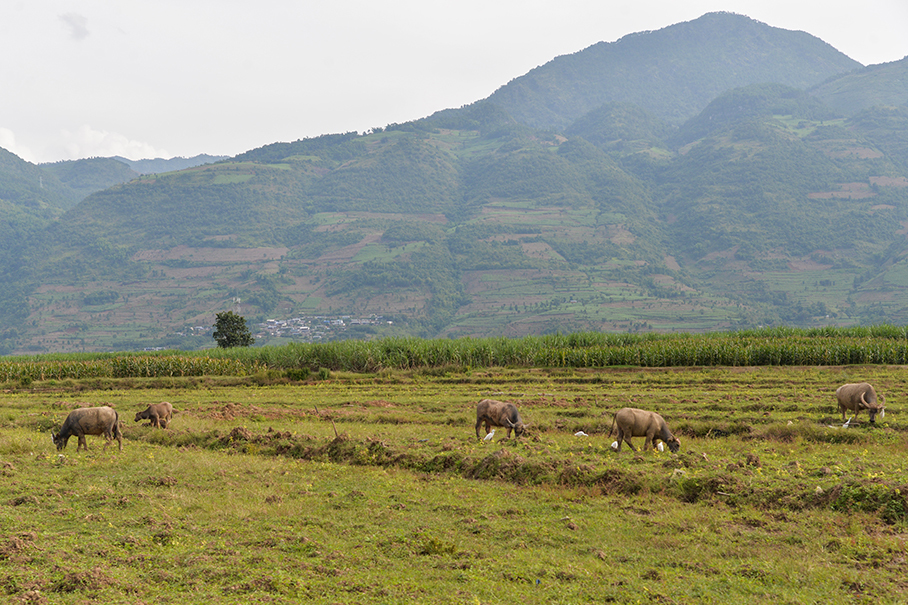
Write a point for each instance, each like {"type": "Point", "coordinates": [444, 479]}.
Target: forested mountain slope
{"type": "Point", "coordinates": [672, 72]}
{"type": "Point", "coordinates": [873, 86]}
{"type": "Point", "coordinates": [84, 177]}
{"type": "Point", "coordinates": [765, 206]}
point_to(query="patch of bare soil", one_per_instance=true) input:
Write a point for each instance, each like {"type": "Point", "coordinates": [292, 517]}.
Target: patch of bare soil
{"type": "Point", "coordinates": [15, 546]}
{"type": "Point", "coordinates": [229, 255]}
{"type": "Point", "coordinates": [89, 581]}
{"type": "Point", "coordinates": [618, 234]}
{"type": "Point", "coordinates": [807, 264]}
{"type": "Point", "coordinates": [726, 254]}
{"type": "Point", "coordinates": [889, 181]}
{"type": "Point", "coordinates": [669, 282]}
{"type": "Point", "coordinates": [349, 217]}
{"type": "Point", "coordinates": [348, 252]}
{"type": "Point", "coordinates": [231, 411]}
{"type": "Point", "coordinates": [863, 153]}
{"type": "Point", "coordinates": [374, 403]}
{"type": "Point", "coordinates": [848, 191]}
{"type": "Point", "coordinates": [539, 250]}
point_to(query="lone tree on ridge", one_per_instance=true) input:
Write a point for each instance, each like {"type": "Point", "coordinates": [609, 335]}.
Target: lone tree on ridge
{"type": "Point", "coordinates": [230, 331]}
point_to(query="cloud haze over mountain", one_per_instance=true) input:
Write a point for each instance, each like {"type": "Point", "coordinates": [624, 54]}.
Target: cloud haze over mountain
{"type": "Point", "coordinates": [145, 79]}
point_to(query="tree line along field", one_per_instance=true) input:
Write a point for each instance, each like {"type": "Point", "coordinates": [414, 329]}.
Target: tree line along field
{"type": "Point", "coordinates": [371, 487]}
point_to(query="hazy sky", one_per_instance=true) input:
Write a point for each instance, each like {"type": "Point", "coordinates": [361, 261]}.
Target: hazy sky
{"type": "Point", "coordinates": [162, 78]}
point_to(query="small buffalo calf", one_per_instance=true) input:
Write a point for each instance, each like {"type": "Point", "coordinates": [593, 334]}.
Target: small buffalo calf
{"type": "Point", "coordinates": [159, 414]}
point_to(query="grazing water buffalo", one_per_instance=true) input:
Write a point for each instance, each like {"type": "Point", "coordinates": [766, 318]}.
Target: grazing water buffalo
{"type": "Point", "coordinates": [498, 413]}
{"type": "Point", "coordinates": [159, 414]}
{"type": "Point", "coordinates": [640, 423]}
{"type": "Point", "coordinates": [89, 421]}
{"type": "Point", "coordinates": [859, 396]}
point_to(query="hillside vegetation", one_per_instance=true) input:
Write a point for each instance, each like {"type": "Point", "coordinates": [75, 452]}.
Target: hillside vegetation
{"type": "Point", "coordinates": [753, 204]}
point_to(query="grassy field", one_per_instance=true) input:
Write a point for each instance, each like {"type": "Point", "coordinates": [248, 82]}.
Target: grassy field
{"type": "Point", "coordinates": [373, 488]}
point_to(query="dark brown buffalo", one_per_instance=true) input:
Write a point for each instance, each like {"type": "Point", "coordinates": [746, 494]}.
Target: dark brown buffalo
{"type": "Point", "coordinates": [640, 423]}
{"type": "Point", "coordinates": [89, 421]}
{"type": "Point", "coordinates": [859, 396]}
{"type": "Point", "coordinates": [159, 414]}
{"type": "Point", "coordinates": [498, 413]}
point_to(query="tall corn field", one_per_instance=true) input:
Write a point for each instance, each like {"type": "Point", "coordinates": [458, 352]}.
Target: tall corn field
{"type": "Point", "coordinates": [127, 366]}
{"type": "Point", "coordinates": [887, 345]}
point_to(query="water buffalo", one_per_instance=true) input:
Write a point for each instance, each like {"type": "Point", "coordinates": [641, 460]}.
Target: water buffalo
{"type": "Point", "coordinates": [859, 396]}
{"type": "Point", "coordinates": [159, 414]}
{"type": "Point", "coordinates": [498, 413]}
{"type": "Point", "coordinates": [640, 423]}
{"type": "Point", "coordinates": [89, 421]}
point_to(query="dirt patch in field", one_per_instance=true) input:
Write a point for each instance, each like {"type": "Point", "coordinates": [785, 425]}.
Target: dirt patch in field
{"type": "Point", "coordinates": [807, 265]}
{"type": "Point", "coordinates": [14, 546]}
{"type": "Point", "coordinates": [225, 255]}
{"type": "Point", "coordinates": [348, 252]}
{"type": "Point", "coordinates": [847, 191]}
{"type": "Point", "coordinates": [192, 272]}
{"type": "Point", "coordinates": [88, 581]}
{"type": "Point", "coordinates": [617, 234]}
{"type": "Point", "coordinates": [863, 153]}
{"type": "Point", "coordinates": [724, 254]}
{"type": "Point", "coordinates": [374, 403]}
{"type": "Point", "coordinates": [349, 217]}
{"type": "Point", "coordinates": [539, 250]}
{"type": "Point", "coordinates": [667, 281]}
{"type": "Point", "coordinates": [232, 411]}
{"type": "Point", "coordinates": [888, 181]}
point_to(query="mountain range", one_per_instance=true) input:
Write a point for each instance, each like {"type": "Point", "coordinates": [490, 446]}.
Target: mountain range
{"type": "Point", "coordinates": [715, 174]}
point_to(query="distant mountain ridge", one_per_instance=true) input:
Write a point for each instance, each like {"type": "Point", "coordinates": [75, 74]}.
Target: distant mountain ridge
{"type": "Point", "coordinates": [87, 176]}
{"type": "Point", "coordinates": [765, 206]}
{"type": "Point", "coordinates": [884, 84]}
{"type": "Point", "coordinates": [672, 72]}
{"type": "Point", "coordinates": [151, 166]}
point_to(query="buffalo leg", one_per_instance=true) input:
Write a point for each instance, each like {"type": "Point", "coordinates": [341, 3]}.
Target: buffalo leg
{"type": "Point", "coordinates": [627, 439]}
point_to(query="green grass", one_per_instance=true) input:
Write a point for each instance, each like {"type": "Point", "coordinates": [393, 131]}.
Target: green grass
{"type": "Point", "coordinates": [897, 275]}
{"type": "Point", "coordinates": [231, 179]}
{"type": "Point", "coordinates": [372, 488]}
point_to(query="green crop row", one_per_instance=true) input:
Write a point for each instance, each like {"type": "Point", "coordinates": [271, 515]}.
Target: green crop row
{"type": "Point", "coordinates": [590, 351]}
{"type": "Point", "coordinates": [886, 345]}
{"type": "Point", "coordinates": [126, 366]}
